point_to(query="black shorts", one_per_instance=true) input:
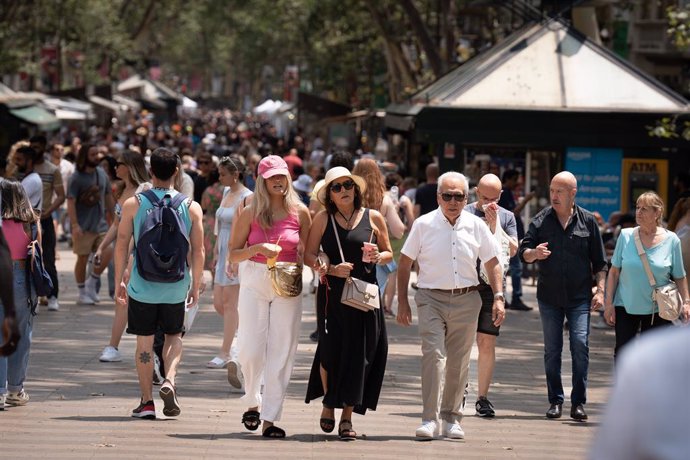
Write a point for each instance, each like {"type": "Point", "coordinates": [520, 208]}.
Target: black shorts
{"type": "Point", "coordinates": [144, 318]}
{"type": "Point", "coordinates": [485, 325]}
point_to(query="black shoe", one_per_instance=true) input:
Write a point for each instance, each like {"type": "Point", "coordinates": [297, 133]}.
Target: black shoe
{"type": "Point", "coordinates": [578, 413]}
{"type": "Point", "coordinates": [554, 411]}
{"type": "Point", "coordinates": [517, 304]}
{"type": "Point", "coordinates": [414, 286]}
{"type": "Point", "coordinates": [314, 336]}
{"type": "Point", "coordinates": [484, 407]}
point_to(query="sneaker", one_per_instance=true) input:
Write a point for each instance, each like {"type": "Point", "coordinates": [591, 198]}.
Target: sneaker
{"type": "Point", "coordinates": [53, 304]}
{"type": "Point", "coordinates": [169, 397]}
{"type": "Point", "coordinates": [484, 407]}
{"type": "Point", "coordinates": [91, 288]}
{"type": "Point", "coordinates": [85, 299]}
{"type": "Point", "coordinates": [428, 430]}
{"type": "Point", "coordinates": [235, 378]}
{"type": "Point", "coordinates": [2, 402]}
{"type": "Point", "coordinates": [517, 304]}
{"type": "Point", "coordinates": [21, 398]}
{"type": "Point", "coordinates": [157, 376]}
{"type": "Point", "coordinates": [314, 336]}
{"type": "Point", "coordinates": [453, 431]}
{"type": "Point", "coordinates": [146, 410]}
{"type": "Point", "coordinates": [110, 355]}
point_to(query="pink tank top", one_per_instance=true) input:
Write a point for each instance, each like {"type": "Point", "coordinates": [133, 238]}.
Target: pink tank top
{"type": "Point", "coordinates": [288, 232]}
{"type": "Point", "coordinates": [16, 237]}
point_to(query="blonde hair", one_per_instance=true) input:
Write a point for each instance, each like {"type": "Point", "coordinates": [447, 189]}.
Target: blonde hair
{"type": "Point", "coordinates": [11, 169]}
{"type": "Point", "coordinates": [261, 203]}
{"type": "Point", "coordinates": [653, 200]}
{"type": "Point", "coordinates": [376, 187]}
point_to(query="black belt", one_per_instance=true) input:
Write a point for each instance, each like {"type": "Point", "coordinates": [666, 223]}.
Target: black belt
{"type": "Point", "coordinates": [458, 291]}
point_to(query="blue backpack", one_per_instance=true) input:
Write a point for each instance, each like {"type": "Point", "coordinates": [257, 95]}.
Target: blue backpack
{"type": "Point", "coordinates": [163, 244]}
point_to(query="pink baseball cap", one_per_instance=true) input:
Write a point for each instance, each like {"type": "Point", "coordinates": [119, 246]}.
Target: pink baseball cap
{"type": "Point", "coordinates": [273, 165]}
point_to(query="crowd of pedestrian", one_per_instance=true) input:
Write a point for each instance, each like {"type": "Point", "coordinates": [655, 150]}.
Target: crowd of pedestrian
{"type": "Point", "coordinates": [156, 205]}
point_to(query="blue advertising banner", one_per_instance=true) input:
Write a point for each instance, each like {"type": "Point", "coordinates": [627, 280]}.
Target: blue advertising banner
{"type": "Point", "coordinates": [598, 173]}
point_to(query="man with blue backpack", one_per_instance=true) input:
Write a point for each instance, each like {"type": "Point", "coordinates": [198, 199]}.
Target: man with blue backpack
{"type": "Point", "coordinates": [168, 241]}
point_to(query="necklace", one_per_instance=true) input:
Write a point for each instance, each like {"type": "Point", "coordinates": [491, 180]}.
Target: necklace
{"type": "Point", "coordinates": [347, 220]}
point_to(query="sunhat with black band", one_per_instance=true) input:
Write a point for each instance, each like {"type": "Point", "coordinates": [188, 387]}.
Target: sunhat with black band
{"type": "Point", "coordinates": [337, 173]}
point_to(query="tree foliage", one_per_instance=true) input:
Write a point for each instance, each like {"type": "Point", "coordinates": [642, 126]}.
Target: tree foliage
{"type": "Point", "coordinates": [345, 49]}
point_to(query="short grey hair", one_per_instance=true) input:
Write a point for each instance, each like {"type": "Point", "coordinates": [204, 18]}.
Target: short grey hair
{"type": "Point", "coordinates": [453, 175]}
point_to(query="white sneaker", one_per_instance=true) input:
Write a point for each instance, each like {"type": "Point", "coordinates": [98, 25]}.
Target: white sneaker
{"type": "Point", "coordinates": [85, 299]}
{"type": "Point", "coordinates": [429, 430]}
{"type": "Point", "coordinates": [110, 355]}
{"type": "Point", "coordinates": [53, 304]}
{"type": "Point", "coordinates": [453, 431]}
{"type": "Point", "coordinates": [90, 289]}
{"type": "Point", "coordinates": [20, 398]}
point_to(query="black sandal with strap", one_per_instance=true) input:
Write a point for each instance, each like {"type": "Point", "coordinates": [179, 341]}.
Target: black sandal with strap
{"type": "Point", "coordinates": [345, 431]}
{"type": "Point", "coordinates": [273, 432]}
{"type": "Point", "coordinates": [327, 424]}
{"type": "Point", "coordinates": [251, 420]}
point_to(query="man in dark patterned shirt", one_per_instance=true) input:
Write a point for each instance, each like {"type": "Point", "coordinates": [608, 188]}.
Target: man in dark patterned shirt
{"type": "Point", "coordinates": [565, 239]}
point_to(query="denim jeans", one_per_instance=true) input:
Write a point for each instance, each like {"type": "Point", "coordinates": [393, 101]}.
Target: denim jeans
{"type": "Point", "coordinates": [382, 272]}
{"type": "Point", "coordinates": [13, 367]}
{"type": "Point", "coordinates": [578, 316]}
{"type": "Point", "coordinates": [515, 267]}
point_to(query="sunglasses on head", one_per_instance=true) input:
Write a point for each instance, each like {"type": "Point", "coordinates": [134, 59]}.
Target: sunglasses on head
{"type": "Point", "coordinates": [459, 197]}
{"type": "Point", "coordinates": [347, 185]}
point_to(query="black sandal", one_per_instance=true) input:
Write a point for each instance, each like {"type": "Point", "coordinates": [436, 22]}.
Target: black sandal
{"type": "Point", "coordinates": [327, 424]}
{"type": "Point", "coordinates": [345, 431]}
{"type": "Point", "coordinates": [251, 420]}
{"type": "Point", "coordinates": [273, 432]}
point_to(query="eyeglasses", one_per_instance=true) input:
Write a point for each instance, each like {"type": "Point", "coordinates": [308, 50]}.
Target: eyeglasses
{"type": "Point", "coordinates": [347, 185]}
{"type": "Point", "coordinates": [459, 197]}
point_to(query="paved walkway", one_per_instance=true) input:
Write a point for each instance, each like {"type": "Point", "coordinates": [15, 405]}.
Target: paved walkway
{"type": "Point", "coordinates": [80, 407]}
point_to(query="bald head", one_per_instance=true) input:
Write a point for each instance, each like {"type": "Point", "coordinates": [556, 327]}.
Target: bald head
{"type": "Point", "coordinates": [562, 193]}
{"type": "Point", "coordinates": [432, 173]}
{"type": "Point", "coordinates": [490, 182]}
{"type": "Point", "coordinates": [565, 179]}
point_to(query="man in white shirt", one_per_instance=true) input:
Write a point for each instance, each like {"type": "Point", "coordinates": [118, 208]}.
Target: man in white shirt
{"type": "Point", "coordinates": [446, 244]}
{"type": "Point", "coordinates": [24, 159]}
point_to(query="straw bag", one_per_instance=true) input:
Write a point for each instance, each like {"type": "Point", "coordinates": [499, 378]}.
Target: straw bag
{"type": "Point", "coordinates": [356, 292]}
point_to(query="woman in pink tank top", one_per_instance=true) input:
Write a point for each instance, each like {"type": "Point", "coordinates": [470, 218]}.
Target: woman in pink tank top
{"type": "Point", "coordinates": [17, 217]}
{"type": "Point", "coordinates": [274, 227]}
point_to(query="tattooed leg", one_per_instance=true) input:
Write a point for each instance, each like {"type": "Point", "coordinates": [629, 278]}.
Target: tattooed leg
{"type": "Point", "coordinates": [144, 362]}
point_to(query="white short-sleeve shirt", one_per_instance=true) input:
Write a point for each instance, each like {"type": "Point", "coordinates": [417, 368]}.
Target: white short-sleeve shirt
{"type": "Point", "coordinates": [33, 186]}
{"type": "Point", "coordinates": [447, 254]}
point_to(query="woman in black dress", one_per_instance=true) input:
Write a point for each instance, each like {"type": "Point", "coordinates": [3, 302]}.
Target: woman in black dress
{"type": "Point", "coordinates": [351, 354]}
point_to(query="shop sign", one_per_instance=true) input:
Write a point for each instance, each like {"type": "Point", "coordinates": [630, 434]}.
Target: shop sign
{"type": "Point", "coordinates": [598, 174]}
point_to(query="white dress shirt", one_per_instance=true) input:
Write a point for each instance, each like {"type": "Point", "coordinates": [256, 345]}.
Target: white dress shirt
{"type": "Point", "coordinates": [447, 254]}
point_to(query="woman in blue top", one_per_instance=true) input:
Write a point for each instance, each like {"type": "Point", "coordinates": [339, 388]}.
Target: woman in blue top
{"type": "Point", "coordinates": [632, 308]}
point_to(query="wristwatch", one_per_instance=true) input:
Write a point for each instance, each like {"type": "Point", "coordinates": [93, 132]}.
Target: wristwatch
{"type": "Point", "coordinates": [499, 296]}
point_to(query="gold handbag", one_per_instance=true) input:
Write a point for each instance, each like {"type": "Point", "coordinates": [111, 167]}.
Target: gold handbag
{"type": "Point", "coordinates": [286, 278]}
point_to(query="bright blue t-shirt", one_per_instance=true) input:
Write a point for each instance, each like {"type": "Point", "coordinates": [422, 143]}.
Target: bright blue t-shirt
{"type": "Point", "coordinates": [149, 291]}
{"type": "Point", "coordinates": [634, 292]}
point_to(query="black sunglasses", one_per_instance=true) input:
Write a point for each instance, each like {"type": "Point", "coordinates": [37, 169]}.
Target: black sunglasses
{"type": "Point", "coordinates": [347, 185]}
{"type": "Point", "coordinates": [459, 197]}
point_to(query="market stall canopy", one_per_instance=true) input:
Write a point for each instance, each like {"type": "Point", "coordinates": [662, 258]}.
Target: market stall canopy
{"type": "Point", "coordinates": [105, 103]}
{"type": "Point", "coordinates": [68, 108]}
{"type": "Point", "coordinates": [124, 100]}
{"type": "Point", "coordinates": [36, 115]}
{"type": "Point", "coordinates": [150, 91]}
{"type": "Point", "coordinates": [550, 66]}
{"type": "Point", "coordinates": [268, 107]}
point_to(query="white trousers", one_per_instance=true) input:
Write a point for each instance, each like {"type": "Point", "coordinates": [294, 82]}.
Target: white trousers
{"type": "Point", "coordinates": [267, 339]}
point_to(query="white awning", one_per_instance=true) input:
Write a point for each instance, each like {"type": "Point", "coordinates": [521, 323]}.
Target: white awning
{"type": "Point", "coordinates": [61, 114]}
{"type": "Point", "coordinates": [103, 102]}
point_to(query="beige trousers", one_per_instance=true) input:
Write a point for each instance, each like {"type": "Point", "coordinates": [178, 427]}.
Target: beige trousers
{"type": "Point", "coordinates": [447, 326]}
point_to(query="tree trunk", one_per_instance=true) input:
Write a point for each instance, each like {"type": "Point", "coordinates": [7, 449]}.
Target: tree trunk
{"type": "Point", "coordinates": [398, 66]}
{"type": "Point", "coordinates": [420, 30]}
